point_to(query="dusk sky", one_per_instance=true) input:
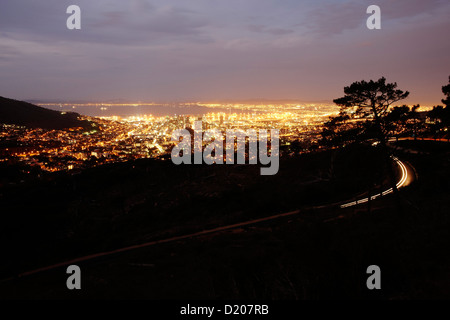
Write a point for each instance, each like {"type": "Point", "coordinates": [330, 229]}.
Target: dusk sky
{"type": "Point", "coordinates": [165, 50]}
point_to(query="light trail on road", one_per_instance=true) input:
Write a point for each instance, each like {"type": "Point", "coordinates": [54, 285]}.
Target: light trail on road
{"type": "Point", "coordinates": [401, 183]}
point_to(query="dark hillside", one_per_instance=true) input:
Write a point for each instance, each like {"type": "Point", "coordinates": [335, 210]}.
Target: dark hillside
{"type": "Point", "coordinates": [29, 115]}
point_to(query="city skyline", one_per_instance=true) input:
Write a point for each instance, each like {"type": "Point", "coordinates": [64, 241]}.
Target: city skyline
{"type": "Point", "coordinates": [216, 50]}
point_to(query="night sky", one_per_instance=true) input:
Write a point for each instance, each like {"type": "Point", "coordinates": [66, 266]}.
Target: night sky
{"type": "Point", "coordinates": [165, 50]}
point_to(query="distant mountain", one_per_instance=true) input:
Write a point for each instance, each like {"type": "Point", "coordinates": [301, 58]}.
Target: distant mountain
{"type": "Point", "coordinates": [29, 115]}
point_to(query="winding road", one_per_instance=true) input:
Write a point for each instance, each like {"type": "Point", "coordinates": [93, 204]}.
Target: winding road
{"type": "Point", "coordinates": [407, 176]}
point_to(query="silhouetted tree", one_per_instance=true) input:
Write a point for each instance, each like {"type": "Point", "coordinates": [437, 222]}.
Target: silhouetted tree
{"type": "Point", "coordinates": [403, 120]}
{"type": "Point", "coordinates": [446, 92]}
{"type": "Point", "coordinates": [372, 101]}
{"type": "Point", "coordinates": [414, 115]}
{"type": "Point", "coordinates": [445, 115]}
{"type": "Point", "coordinates": [396, 120]}
{"type": "Point", "coordinates": [440, 115]}
{"type": "Point", "coordinates": [436, 115]}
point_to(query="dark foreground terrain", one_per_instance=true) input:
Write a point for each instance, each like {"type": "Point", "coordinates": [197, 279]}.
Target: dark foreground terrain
{"type": "Point", "coordinates": [316, 254]}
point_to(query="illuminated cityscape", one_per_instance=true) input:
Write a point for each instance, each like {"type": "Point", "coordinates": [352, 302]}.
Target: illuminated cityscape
{"type": "Point", "coordinates": [118, 139]}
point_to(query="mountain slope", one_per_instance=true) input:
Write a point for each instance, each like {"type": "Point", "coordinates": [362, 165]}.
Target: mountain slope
{"type": "Point", "coordinates": [29, 115]}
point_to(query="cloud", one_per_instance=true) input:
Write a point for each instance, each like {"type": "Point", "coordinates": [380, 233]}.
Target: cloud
{"type": "Point", "coordinates": [111, 22]}
{"type": "Point", "coordinates": [7, 52]}
{"type": "Point", "coordinates": [410, 8]}
{"type": "Point", "coordinates": [268, 30]}
{"type": "Point", "coordinates": [332, 18]}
